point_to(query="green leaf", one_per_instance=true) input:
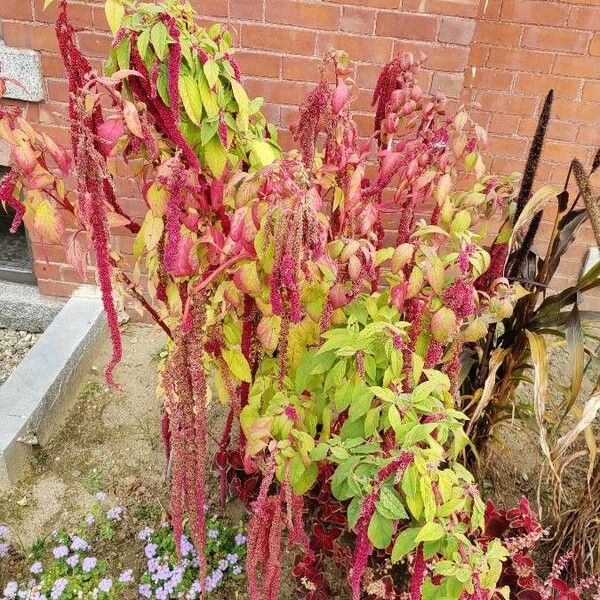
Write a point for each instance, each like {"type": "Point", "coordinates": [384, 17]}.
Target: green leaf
{"type": "Point", "coordinates": [209, 99]}
{"type": "Point", "coordinates": [264, 151]}
{"type": "Point", "coordinates": [430, 532]}
{"type": "Point", "coordinates": [237, 364]}
{"type": "Point", "coordinates": [159, 35]}
{"type": "Point", "coordinates": [243, 116]}
{"type": "Point", "coordinates": [428, 497]}
{"type": "Point", "coordinates": [390, 505]}
{"type": "Point", "coordinates": [211, 71]}
{"type": "Point", "coordinates": [208, 129]}
{"type": "Point", "coordinates": [143, 42]}
{"type": "Point", "coordinates": [215, 156]}
{"type": "Point", "coordinates": [405, 543]}
{"type": "Point", "coordinates": [115, 12]}
{"type": "Point", "coordinates": [190, 97]}
{"type": "Point", "coordinates": [380, 531]}
{"type": "Point", "coordinates": [353, 511]}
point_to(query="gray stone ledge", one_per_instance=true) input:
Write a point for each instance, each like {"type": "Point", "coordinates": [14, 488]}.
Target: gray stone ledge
{"type": "Point", "coordinates": [25, 309]}
{"type": "Point", "coordinates": [39, 392]}
{"type": "Point", "coordinates": [25, 66]}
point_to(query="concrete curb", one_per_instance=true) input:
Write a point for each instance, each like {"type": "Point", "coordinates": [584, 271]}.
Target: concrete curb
{"type": "Point", "coordinates": [24, 308]}
{"type": "Point", "coordinates": [44, 385]}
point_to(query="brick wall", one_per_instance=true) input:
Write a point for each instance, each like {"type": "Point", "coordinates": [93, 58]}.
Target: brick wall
{"type": "Point", "coordinates": [504, 54]}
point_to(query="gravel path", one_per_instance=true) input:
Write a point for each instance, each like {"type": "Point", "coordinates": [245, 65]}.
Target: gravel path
{"type": "Point", "coordinates": [14, 345]}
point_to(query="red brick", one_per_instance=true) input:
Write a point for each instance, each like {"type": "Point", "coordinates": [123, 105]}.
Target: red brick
{"type": "Point", "coordinates": [449, 83]}
{"type": "Point", "coordinates": [20, 11]}
{"type": "Point", "coordinates": [500, 123]}
{"type": "Point", "coordinates": [211, 8]}
{"type": "Point", "coordinates": [535, 12]}
{"type": "Point", "coordinates": [246, 9]}
{"type": "Point", "coordinates": [530, 84]}
{"type": "Point", "coordinates": [371, 3]}
{"type": "Point", "coordinates": [46, 270]}
{"type": "Point", "coordinates": [57, 90]}
{"type": "Point", "coordinates": [562, 151]}
{"type": "Point", "coordinates": [478, 55]}
{"type": "Point", "coordinates": [374, 50]}
{"type": "Point", "coordinates": [255, 63]}
{"type": "Point", "coordinates": [52, 65]}
{"type": "Point", "coordinates": [28, 35]}
{"type": "Point", "coordinates": [281, 92]}
{"type": "Point", "coordinates": [281, 39]}
{"type": "Point", "coordinates": [456, 31]}
{"type": "Point", "coordinates": [50, 252]}
{"type": "Point", "coordinates": [80, 14]}
{"type": "Point", "coordinates": [301, 14]}
{"type": "Point", "coordinates": [580, 112]}
{"type": "Point", "coordinates": [56, 288]}
{"type": "Point", "coordinates": [498, 34]}
{"type": "Point", "coordinates": [489, 10]}
{"type": "Point", "coordinates": [577, 66]}
{"type": "Point", "coordinates": [584, 17]}
{"type": "Point", "coordinates": [495, 79]}
{"type": "Point", "coordinates": [591, 91]}
{"type": "Point", "coordinates": [507, 146]}
{"type": "Point", "coordinates": [457, 8]}
{"type": "Point", "coordinates": [95, 44]}
{"type": "Point", "coordinates": [595, 45]}
{"type": "Point", "coordinates": [507, 103]}
{"type": "Point", "coordinates": [588, 136]}
{"type": "Point", "coordinates": [358, 20]}
{"type": "Point", "coordinates": [301, 69]}
{"type": "Point", "coordinates": [520, 59]}
{"type": "Point", "coordinates": [546, 38]}
{"type": "Point", "coordinates": [439, 58]}
{"type": "Point", "coordinates": [557, 130]}
{"type": "Point", "coordinates": [407, 26]}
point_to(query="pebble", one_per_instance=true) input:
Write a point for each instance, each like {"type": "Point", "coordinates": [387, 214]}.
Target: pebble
{"type": "Point", "coordinates": [14, 345]}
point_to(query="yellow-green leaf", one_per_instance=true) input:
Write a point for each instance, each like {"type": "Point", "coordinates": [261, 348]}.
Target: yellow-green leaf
{"type": "Point", "coordinates": [190, 97]}
{"type": "Point", "coordinates": [215, 156]}
{"type": "Point", "coordinates": [158, 37]}
{"type": "Point", "coordinates": [115, 12]}
{"type": "Point", "coordinates": [209, 99]}
{"type": "Point", "coordinates": [211, 71]}
{"type": "Point", "coordinates": [237, 364]}
{"type": "Point", "coordinates": [239, 93]}
{"type": "Point", "coordinates": [47, 222]}
{"type": "Point", "coordinates": [265, 152]}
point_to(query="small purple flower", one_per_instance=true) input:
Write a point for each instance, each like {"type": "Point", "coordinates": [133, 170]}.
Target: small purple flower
{"type": "Point", "coordinates": [126, 576]}
{"type": "Point", "coordinates": [161, 593]}
{"type": "Point", "coordinates": [232, 558]}
{"type": "Point", "coordinates": [89, 563]}
{"type": "Point", "coordinates": [213, 533]}
{"type": "Point", "coordinates": [153, 564]}
{"type": "Point", "coordinates": [223, 564]}
{"type": "Point", "coordinates": [78, 543]}
{"type": "Point", "coordinates": [3, 532]}
{"type": "Point", "coordinates": [10, 591]}
{"type": "Point", "coordinates": [145, 590]}
{"type": "Point", "coordinates": [240, 539]}
{"type": "Point", "coordinates": [60, 552]}
{"type": "Point", "coordinates": [89, 519]}
{"type": "Point", "coordinates": [58, 588]}
{"type": "Point", "coordinates": [101, 496]}
{"type": "Point", "coordinates": [105, 585]}
{"type": "Point", "coordinates": [73, 560]}
{"type": "Point", "coordinates": [114, 514]}
{"type": "Point", "coordinates": [36, 568]}
{"type": "Point", "coordinates": [145, 533]}
{"type": "Point", "coordinates": [186, 546]}
{"type": "Point", "coordinates": [4, 548]}
{"type": "Point", "coordinates": [237, 569]}
{"type": "Point", "coordinates": [150, 550]}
